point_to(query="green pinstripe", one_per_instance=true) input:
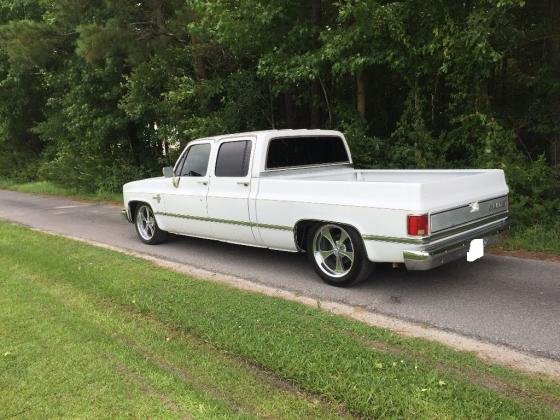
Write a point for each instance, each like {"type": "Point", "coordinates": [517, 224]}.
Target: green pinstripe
{"type": "Point", "coordinates": [391, 239]}
{"type": "Point", "coordinates": [225, 221]}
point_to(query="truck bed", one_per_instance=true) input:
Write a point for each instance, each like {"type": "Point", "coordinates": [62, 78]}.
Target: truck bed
{"type": "Point", "coordinates": [415, 190]}
{"type": "Point", "coordinates": [377, 202]}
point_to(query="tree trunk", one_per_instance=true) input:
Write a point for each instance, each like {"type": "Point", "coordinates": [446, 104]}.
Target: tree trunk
{"type": "Point", "coordinates": [554, 10]}
{"type": "Point", "coordinates": [555, 152]}
{"type": "Point", "coordinates": [361, 95]}
{"type": "Point", "coordinates": [289, 110]}
{"type": "Point", "coordinates": [315, 88]}
{"type": "Point", "coordinates": [137, 148]}
{"type": "Point", "coordinates": [314, 111]}
{"type": "Point", "coordinates": [198, 61]}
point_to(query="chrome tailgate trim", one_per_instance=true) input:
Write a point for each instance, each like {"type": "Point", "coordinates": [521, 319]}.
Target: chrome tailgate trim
{"type": "Point", "coordinates": [448, 219]}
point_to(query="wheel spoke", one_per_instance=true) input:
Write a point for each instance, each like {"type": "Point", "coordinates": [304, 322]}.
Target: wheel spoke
{"type": "Point", "coordinates": [339, 267]}
{"type": "Point", "coordinates": [326, 254]}
{"type": "Point", "coordinates": [348, 254]}
{"type": "Point", "coordinates": [343, 237]}
{"type": "Point", "coordinates": [326, 233]}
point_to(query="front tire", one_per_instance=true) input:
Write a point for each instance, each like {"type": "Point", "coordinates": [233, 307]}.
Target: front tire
{"type": "Point", "coordinates": [146, 226]}
{"type": "Point", "coordinates": [337, 254]}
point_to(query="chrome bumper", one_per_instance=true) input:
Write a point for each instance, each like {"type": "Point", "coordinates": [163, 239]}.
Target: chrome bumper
{"type": "Point", "coordinates": [125, 215]}
{"type": "Point", "coordinates": [446, 250]}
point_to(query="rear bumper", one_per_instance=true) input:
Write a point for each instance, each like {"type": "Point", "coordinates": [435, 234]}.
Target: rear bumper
{"type": "Point", "coordinates": [446, 250]}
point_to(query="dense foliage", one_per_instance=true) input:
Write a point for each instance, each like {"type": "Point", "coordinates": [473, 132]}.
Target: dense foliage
{"type": "Point", "coordinates": [96, 93]}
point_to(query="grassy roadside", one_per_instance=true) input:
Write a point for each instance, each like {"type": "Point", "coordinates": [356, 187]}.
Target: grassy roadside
{"type": "Point", "coordinates": [536, 238]}
{"type": "Point", "coordinates": [49, 188]}
{"type": "Point", "coordinates": [87, 331]}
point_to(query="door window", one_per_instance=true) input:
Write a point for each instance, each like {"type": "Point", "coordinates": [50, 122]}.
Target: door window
{"type": "Point", "coordinates": [233, 159]}
{"type": "Point", "coordinates": [196, 161]}
{"type": "Point", "coordinates": [179, 164]}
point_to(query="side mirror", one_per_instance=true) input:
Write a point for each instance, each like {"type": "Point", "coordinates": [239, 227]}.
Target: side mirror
{"type": "Point", "coordinates": [168, 172]}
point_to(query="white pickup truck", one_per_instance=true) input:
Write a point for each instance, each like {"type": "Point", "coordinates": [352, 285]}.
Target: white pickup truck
{"type": "Point", "coordinates": [297, 190]}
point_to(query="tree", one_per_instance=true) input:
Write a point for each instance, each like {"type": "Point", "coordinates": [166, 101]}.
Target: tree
{"type": "Point", "coordinates": [109, 90]}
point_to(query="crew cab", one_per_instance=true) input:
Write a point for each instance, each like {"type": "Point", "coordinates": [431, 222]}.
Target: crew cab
{"type": "Point", "coordinates": [297, 190]}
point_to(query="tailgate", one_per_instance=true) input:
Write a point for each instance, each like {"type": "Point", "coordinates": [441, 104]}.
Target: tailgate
{"type": "Point", "coordinates": [481, 211]}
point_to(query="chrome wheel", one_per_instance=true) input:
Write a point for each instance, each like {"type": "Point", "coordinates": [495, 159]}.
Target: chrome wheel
{"type": "Point", "coordinates": [333, 250]}
{"type": "Point", "coordinates": [146, 222]}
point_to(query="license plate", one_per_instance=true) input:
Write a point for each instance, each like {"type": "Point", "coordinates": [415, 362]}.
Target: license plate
{"type": "Point", "coordinates": [476, 250]}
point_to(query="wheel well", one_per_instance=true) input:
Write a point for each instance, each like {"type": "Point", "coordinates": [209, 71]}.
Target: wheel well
{"type": "Point", "coordinates": [301, 230]}
{"type": "Point", "coordinates": [132, 206]}
{"type": "Point", "coordinates": [303, 227]}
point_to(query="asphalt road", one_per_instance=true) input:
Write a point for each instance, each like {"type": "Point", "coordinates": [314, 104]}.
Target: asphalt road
{"type": "Point", "coordinates": [504, 300]}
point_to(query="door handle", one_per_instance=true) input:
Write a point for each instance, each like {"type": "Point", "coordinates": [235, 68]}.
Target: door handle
{"type": "Point", "coordinates": [203, 182]}
{"type": "Point", "coordinates": [244, 183]}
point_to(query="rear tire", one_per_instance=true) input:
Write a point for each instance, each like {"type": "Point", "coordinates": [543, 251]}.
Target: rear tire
{"type": "Point", "coordinates": [147, 228]}
{"type": "Point", "coordinates": [338, 254]}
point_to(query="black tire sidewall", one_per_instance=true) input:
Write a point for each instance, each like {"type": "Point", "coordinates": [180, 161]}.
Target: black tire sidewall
{"type": "Point", "coordinates": [360, 268]}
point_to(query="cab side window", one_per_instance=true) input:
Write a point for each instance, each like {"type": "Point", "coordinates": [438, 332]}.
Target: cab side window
{"type": "Point", "coordinates": [196, 160]}
{"type": "Point", "coordinates": [233, 159]}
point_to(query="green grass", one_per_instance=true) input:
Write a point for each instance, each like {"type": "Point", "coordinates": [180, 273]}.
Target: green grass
{"type": "Point", "coordinates": [543, 238]}
{"type": "Point", "coordinates": [89, 332]}
{"type": "Point", "coordinates": [49, 188]}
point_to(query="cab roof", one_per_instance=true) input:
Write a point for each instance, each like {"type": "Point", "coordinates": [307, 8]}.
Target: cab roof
{"type": "Point", "coordinates": [267, 134]}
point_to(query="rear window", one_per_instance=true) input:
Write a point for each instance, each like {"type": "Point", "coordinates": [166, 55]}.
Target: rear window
{"type": "Point", "coordinates": [285, 152]}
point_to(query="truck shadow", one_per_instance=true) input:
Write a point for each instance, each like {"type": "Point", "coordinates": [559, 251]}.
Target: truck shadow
{"type": "Point", "coordinates": [286, 268]}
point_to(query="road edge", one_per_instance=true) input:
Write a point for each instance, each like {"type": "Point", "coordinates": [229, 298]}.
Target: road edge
{"type": "Point", "coordinates": [489, 352]}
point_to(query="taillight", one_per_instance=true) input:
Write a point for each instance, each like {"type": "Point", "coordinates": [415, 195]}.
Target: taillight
{"type": "Point", "coordinates": [417, 225]}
